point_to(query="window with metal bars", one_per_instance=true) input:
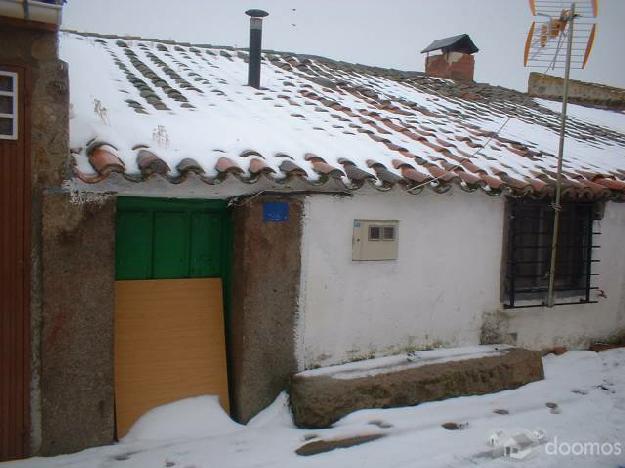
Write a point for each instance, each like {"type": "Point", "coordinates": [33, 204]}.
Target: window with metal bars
{"type": "Point", "coordinates": [530, 231]}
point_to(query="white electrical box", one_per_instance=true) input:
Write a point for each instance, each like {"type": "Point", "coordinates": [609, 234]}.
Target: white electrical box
{"type": "Point", "coordinates": [375, 239]}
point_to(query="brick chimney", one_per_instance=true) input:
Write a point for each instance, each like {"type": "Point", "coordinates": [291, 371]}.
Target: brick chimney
{"type": "Point", "coordinates": [455, 61]}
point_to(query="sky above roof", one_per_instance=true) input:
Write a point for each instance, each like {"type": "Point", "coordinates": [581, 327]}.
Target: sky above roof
{"type": "Point", "coordinates": [387, 34]}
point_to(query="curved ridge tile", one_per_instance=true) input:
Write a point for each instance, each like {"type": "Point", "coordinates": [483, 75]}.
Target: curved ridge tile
{"type": "Point", "coordinates": [189, 165]}
{"type": "Point", "coordinates": [149, 163]}
{"type": "Point", "coordinates": [105, 159]}
{"type": "Point", "coordinates": [258, 166]}
{"type": "Point", "coordinates": [291, 169]}
{"type": "Point", "coordinates": [225, 165]}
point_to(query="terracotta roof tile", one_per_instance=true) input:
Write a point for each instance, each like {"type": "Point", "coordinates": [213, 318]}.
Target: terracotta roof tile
{"type": "Point", "coordinates": [189, 165]}
{"type": "Point", "coordinates": [441, 174]}
{"type": "Point", "coordinates": [469, 178]}
{"type": "Point", "coordinates": [612, 184]}
{"type": "Point", "coordinates": [410, 172]}
{"type": "Point", "coordinates": [354, 173]}
{"type": "Point", "coordinates": [290, 168]}
{"type": "Point", "coordinates": [493, 182]}
{"type": "Point", "coordinates": [227, 166]}
{"type": "Point", "coordinates": [104, 159]}
{"type": "Point", "coordinates": [384, 175]}
{"type": "Point", "coordinates": [149, 163]}
{"type": "Point", "coordinates": [258, 166]}
{"type": "Point", "coordinates": [422, 131]}
{"type": "Point", "coordinates": [326, 169]}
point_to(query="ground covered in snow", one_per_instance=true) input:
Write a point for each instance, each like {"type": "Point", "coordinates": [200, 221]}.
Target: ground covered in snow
{"type": "Point", "coordinates": [578, 413]}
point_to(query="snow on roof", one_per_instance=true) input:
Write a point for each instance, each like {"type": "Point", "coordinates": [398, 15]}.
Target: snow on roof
{"type": "Point", "coordinates": [161, 114]}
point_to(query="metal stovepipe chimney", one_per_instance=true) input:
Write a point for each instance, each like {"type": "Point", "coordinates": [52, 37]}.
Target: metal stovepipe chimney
{"type": "Point", "coordinates": [256, 34]}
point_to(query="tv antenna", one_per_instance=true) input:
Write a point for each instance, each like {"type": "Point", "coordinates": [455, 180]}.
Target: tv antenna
{"type": "Point", "coordinates": [561, 37]}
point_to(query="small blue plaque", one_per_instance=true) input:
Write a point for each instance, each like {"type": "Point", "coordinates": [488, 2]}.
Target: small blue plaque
{"type": "Point", "coordinates": [275, 212]}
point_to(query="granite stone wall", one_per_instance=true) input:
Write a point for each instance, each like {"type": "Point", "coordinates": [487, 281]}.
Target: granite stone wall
{"type": "Point", "coordinates": [580, 92]}
{"type": "Point", "coordinates": [33, 48]}
{"type": "Point", "coordinates": [265, 291]}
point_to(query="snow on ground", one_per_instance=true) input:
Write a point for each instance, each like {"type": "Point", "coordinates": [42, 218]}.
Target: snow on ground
{"type": "Point", "coordinates": [198, 417]}
{"type": "Point", "coordinates": [588, 390]}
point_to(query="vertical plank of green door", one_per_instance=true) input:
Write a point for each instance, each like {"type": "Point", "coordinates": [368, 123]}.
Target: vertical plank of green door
{"type": "Point", "coordinates": [206, 245]}
{"type": "Point", "coordinates": [171, 248]}
{"type": "Point", "coordinates": [133, 245]}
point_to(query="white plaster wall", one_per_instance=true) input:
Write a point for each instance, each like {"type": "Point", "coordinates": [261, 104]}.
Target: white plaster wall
{"type": "Point", "coordinates": [576, 326]}
{"type": "Point", "coordinates": [446, 276]}
{"type": "Point", "coordinates": [445, 281]}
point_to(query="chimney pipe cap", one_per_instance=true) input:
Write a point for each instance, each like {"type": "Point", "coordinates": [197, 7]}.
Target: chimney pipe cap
{"type": "Point", "coordinates": [256, 13]}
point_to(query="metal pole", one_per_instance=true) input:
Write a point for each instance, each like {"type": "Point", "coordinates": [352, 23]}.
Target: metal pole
{"type": "Point", "coordinates": [556, 205]}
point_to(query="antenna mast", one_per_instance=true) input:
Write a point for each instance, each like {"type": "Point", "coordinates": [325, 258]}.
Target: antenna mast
{"type": "Point", "coordinates": [544, 44]}
{"type": "Point", "coordinates": [556, 205]}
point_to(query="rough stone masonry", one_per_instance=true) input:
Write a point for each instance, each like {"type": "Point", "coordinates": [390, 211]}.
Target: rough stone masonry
{"type": "Point", "coordinates": [318, 401]}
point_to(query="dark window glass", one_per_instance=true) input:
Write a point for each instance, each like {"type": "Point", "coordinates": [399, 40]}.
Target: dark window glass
{"type": "Point", "coordinates": [6, 126]}
{"type": "Point", "coordinates": [6, 83]}
{"type": "Point", "coordinates": [6, 105]}
{"type": "Point", "coordinates": [374, 233]}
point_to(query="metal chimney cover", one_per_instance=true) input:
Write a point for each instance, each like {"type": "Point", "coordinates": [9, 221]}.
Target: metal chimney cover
{"type": "Point", "coordinates": [257, 13]}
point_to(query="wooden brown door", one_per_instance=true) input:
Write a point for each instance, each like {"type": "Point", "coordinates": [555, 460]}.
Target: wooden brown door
{"type": "Point", "coordinates": [14, 265]}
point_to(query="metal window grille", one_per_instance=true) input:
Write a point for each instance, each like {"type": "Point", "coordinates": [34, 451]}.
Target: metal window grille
{"type": "Point", "coordinates": [529, 253]}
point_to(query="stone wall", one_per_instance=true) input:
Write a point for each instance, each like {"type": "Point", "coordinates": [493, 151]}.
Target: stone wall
{"type": "Point", "coordinates": [77, 378]}
{"type": "Point", "coordinates": [27, 45]}
{"type": "Point", "coordinates": [318, 400]}
{"type": "Point", "coordinates": [580, 92]}
{"type": "Point", "coordinates": [266, 277]}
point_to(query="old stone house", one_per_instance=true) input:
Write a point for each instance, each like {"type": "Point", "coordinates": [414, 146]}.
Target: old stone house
{"type": "Point", "coordinates": [336, 213]}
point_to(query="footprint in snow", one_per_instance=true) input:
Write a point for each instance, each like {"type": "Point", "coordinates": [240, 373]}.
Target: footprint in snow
{"type": "Point", "coordinates": [123, 456]}
{"type": "Point", "coordinates": [310, 436]}
{"type": "Point", "coordinates": [453, 426]}
{"type": "Point", "coordinates": [380, 424]}
{"type": "Point", "coordinates": [604, 388]}
{"type": "Point", "coordinates": [501, 411]}
{"type": "Point", "coordinates": [579, 392]}
{"type": "Point", "coordinates": [553, 407]}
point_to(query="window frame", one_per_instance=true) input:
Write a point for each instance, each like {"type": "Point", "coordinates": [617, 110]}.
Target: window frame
{"type": "Point", "coordinates": [577, 243]}
{"type": "Point", "coordinates": [14, 95]}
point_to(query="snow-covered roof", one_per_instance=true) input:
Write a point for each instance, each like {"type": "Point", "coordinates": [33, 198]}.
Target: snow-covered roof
{"type": "Point", "coordinates": [148, 113]}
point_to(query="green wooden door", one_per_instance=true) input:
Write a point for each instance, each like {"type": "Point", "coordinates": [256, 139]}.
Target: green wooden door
{"type": "Point", "coordinates": [170, 330]}
{"type": "Point", "coordinates": [170, 238]}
